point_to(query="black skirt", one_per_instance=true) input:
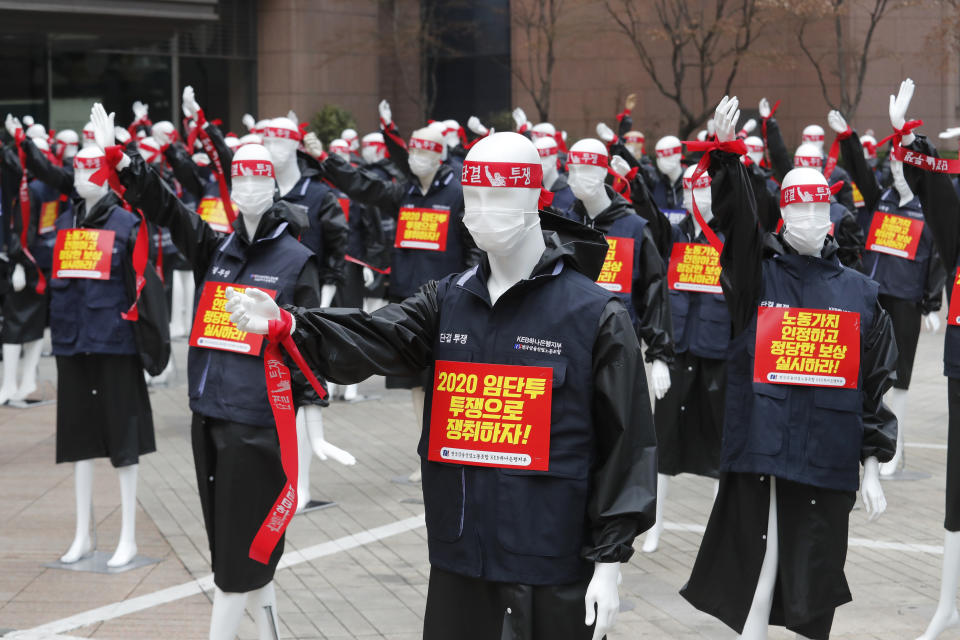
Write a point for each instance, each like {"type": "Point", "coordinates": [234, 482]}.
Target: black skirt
{"type": "Point", "coordinates": [689, 419]}
{"type": "Point", "coordinates": [906, 318]}
{"type": "Point", "coordinates": [468, 608]}
{"type": "Point", "coordinates": [103, 409]}
{"type": "Point", "coordinates": [812, 528]}
{"type": "Point", "coordinates": [239, 476]}
{"type": "Point", "coordinates": [24, 315]}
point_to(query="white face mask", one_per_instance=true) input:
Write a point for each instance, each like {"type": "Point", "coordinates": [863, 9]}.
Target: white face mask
{"type": "Point", "coordinates": [370, 154]}
{"type": "Point", "coordinates": [584, 185]}
{"type": "Point", "coordinates": [635, 148]}
{"type": "Point", "coordinates": [704, 202]}
{"type": "Point", "coordinates": [548, 164]}
{"type": "Point", "coordinates": [805, 230]}
{"type": "Point", "coordinates": [281, 150]}
{"type": "Point", "coordinates": [423, 164]}
{"type": "Point", "coordinates": [498, 231]}
{"type": "Point", "coordinates": [253, 195]}
{"type": "Point", "coordinates": [668, 164]}
{"type": "Point", "coordinates": [86, 189]}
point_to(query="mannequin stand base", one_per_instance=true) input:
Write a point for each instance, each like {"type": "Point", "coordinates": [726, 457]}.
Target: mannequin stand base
{"type": "Point", "coordinates": [96, 562]}
{"type": "Point", "coordinates": [29, 403]}
{"type": "Point", "coordinates": [906, 475]}
{"type": "Point", "coordinates": [316, 505]}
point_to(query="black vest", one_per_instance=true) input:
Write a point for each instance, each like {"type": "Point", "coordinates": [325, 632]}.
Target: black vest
{"type": "Point", "coordinates": [899, 277]}
{"type": "Point", "coordinates": [811, 435]}
{"type": "Point", "coordinates": [701, 321]}
{"type": "Point", "coordinates": [512, 525]}
{"type": "Point", "coordinates": [231, 386]}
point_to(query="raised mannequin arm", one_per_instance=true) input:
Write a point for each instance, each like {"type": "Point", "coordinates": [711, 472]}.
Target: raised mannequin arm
{"type": "Point", "coordinates": [940, 202]}
{"type": "Point", "coordinates": [364, 186]}
{"type": "Point", "coordinates": [334, 225]}
{"type": "Point", "coordinates": [854, 162]}
{"type": "Point", "coordinates": [45, 171]}
{"type": "Point", "coordinates": [779, 156]}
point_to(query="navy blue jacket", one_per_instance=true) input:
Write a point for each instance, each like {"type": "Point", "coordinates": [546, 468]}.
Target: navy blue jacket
{"type": "Point", "coordinates": [563, 198]}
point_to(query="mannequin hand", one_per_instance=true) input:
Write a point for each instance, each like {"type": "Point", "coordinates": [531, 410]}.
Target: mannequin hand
{"type": "Point", "coordinates": [873, 499]}
{"type": "Point", "coordinates": [749, 126]}
{"type": "Point", "coordinates": [252, 310]}
{"type": "Point", "coordinates": [248, 122]}
{"type": "Point", "coordinates": [563, 134]}
{"type": "Point", "coordinates": [837, 121]}
{"type": "Point", "coordinates": [619, 166]}
{"type": "Point", "coordinates": [603, 594]}
{"type": "Point", "coordinates": [368, 277]}
{"type": "Point", "coordinates": [900, 103]}
{"type": "Point", "coordinates": [476, 126]}
{"type": "Point", "coordinates": [140, 110]}
{"type": "Point", "coordinates": [292, 116]}
{"type": "Point", "coordinates": [189, 103]}
{"type": "Point", "coordinates": [324, 450]}
{"type": "Point", "coordinates": [19, 278]}
{"type": "Point", "coordinates": [28, 120]}
{"type": "Point", "coordinates": [660, 376]}
{"type": "Point", "coordinates": [631, 102]}
{"type": "Point", "coordinates": [711, 127]}
{"type": "Point", "coordinates": [14, 128]}
{"type": "Point", "coordinates": [103, 131]}
{"type": "Point", "coordinates": [327, 292]}
{"type": "Point", "coordinates": [932, 322]}
{"type": "Point", "coordinates": [605, 133]}
{"type": "Point", "coordinates": [519, 117]}
{"type": "Point", "coordinates": [385, 114]}
{"type": "Point", "coordinates": [952, 132]}
{"type": "Point", "coordinates": [764, 108]}
{"type": "Point", "coordinates": [121, 135]}
{"type": "Point", "coordinates": [725, 118]}
{"type": "Point", "coordinates": [313, 145]}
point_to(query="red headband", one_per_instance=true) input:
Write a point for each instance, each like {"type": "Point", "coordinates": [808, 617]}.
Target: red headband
{"type": "Point", "coordinates": [871, 148]}
{"type": "Point", "coordinates": [808, 161]}
{"type": "Point", "coordinates": [280, 132]}
{"type": "Point", "coordinates": [634, 137]}
{"type": "Point", "coordinates": [89, 135]}
{"type": "Point", "coordinates": [546, 152]}
{"type": "Point", "coordinates": [344, 145]}
{"type": "Point", "coordinates": [541, 134]}
{"type": "Point", "coordinates": [375, 144]}
{"type": "Point", "coordinates": [755, 148]}
{"type": "Point", "coordinates": [88, 163]}
{"type": "Point", "coordinates": [262, 168]}
{"type": "Point", "coordinates": [425, 145]}
{"type": "Point", "coordinates": [702, 181]}
{"type": "Point", "coordinates": [808, 193]}
{"type": "Point", "coordinates": [669, 151]}
{"type": "Point", "coordinates": [589, 158]}
{"type": "Point", "coordinates": [812, 137]}
{"type": "Point", "coordinates": [519, 175]}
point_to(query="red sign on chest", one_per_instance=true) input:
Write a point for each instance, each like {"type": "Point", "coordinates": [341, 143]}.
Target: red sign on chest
{"type": "Point", "coordinates": [83, 253]}
{"type": "Point", "coordinates": [212, 328]}
{"type": "Point", "coordinates": [422, 228]}
{"type": "Point", "coordinates": [896, 235]}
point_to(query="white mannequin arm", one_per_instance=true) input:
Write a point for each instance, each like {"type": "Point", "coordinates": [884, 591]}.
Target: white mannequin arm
{"type": "Point", "coordinates": [837, 122]}
{"type": "Point", "coordinates": [19, 278]}
{"type": "Point", "coordinates": [189, 103]}
{"type": "Point", "coordinates": [313, 145]}
{"type": "Point", "coordinates": [476, 126]}
{"type": "Point", "coordinates": [764, 108]}
{"type": "Point", "coordinates": [140, 110]}
{"type": "Point", "coordinates": [748, 127]}
{"type": "Point", "coordinates": [604, 132]}
{"type": "Point", "coordinates": [873, 499]}
{"type": "Point", "coordinates": [952, 132]}
{"type": "Point", "coordinates": [13, 125]}
{"type": "Point", "coordinates": [660, 377]}
{"type": "Point", "coordinates": [898, 108]}
{"type": "Point", "coordinates": [519, 117]}
{"type": "Point", "coordinates": [386, 115]}
{"type": "Point", "coordinates": [252, 310]}
{"type": "Point", "coordinates": [248, 122]}
{"type": "Point", "coordinates": [711, 127]}
{"type": "Point", "coordinates": [292, 116]}
{"type": "Point", "coordinates": [103, 129]}
{"type": "Point", "coordinates": [619, 166]}
{"type": "Point", "coordinates": [932, 322]}
{"type": "Point", "coordinates": [603, 598]}
{"type": "Point", "coordinates": [327, 292]}
{"type": "Point", "coordinates": [28, 120]}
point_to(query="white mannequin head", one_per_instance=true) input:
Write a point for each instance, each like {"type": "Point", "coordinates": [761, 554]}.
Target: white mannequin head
{"type": "Point", "coordinates": [808, 155]}
{"type": "Point", "coordinates": [805, 208]}
{"type": "Point", "coordinates": [232, 142]}
{"type": "Point", "coordinates": [699, 190]}
{"type": "Point", "coordinates": [547, 149]}
{"type": "Point", "coordinates": [281, 137]}
{"type": "Point", "coordinates": [373, 148]}
{"type": "Point", "coordinates": [425, 152]}
{"type": "Point", "coordinates": [251, 138]}
{"type": "Point", "coordinates": [634, 141]}
{"type": "Point", "coordinates": [259, 126]}
{"type": "Point", "coordinates": [543, 130]}
{"type": "Point", "coordinates": [869, 149]}
{"type": "Point", "coordinates": [201, 159]}
{"type": "Point", "coordinates": [42, 144]}
{"type": "Point", "coordinates": [587, 162]}
{"type": "Point", "coordinates": [702, 135]}
{"type": "Point", "coordinates": [813, 133]}
{"type": "Point", "coordinates": [500, 202]}
{"type": "Point", "coordinates": [340, 147]}
{"type": "Point", "coordinates": [88, 161]}
{"type": "Point", "coordinates": [69, 142]}
{"type": "Point", "coordinates": [754, 148]}
{"type": "Point", "coordinates": [88, 137]}
{"type": "Point", "coordinates": [35, 131]}
{"type": "Point", "coordinates": [668, 156]}
{"type": "Point", "coordinates": [440, 130]}
{"type": "Point", "coordinates": [352, 139]}
{"type": "Point", "coordinates": [166, 128]}
{"type": "Point", "coordinates": [252, 183]}
{"type": "Point", "coordinates": [149, 150]}
{"type": "Point", "coordinates": [451, 133]}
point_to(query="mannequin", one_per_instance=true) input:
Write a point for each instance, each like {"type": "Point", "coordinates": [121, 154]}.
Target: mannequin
{"type": "Point", "coordinates": [808, 155]}
{"type": "Point", "coordinates": [635, 141]}
{"type": "Point", "coordinates": [451, 133]}
{"type": "Point", "coordinates": [813, 134]}
{"type": "Point", "coordinates": [806, 508]}
{"type": "Point", "coordinates": [352, 139]}
{"type": "Point", "coordinates": [755, 149]}
{"type": "Point", "coordinates": [689, 417]}
{"type": "Point", "coordinates": [543, 130]}
{"type": "Point", "coordinates": [910, 289]}
{"type": "Point", "coordinates": [232, 141]}
{"type": "Point", "coordinates": [505, 224]}
{"type": "Point", "coordinates": [373, 149]}
{"type": "Point", "coordinates": [68, 143]}
{"type": "Point", "coordinates": [340, 147]}
{"type": "Point", "coordinates": [667, 190]}
{"type": "Point", "coordinates": [553, 180]}
{"type": "Point", "coordinates": [88, 139]}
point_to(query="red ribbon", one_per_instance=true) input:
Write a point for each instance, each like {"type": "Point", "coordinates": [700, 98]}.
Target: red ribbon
{"type": "Point", "coordinates": [545, 199]}
{"type": "Point", "coordinates": [350, 258]}
{"type": "Point", "coordinates": [141, 255]}
{"type": "Point", "coordinates": [898, 134]}
{"type": "Point", "coordinates": [425, 145]}
{"type": "Point", "coordinates": [835, 152]}
{"type": "Point", "coordinates": [925, 162]}
{"type": "Point", "coordinates": [208, 147]}
{"type": "Point", "coordinates": [763, 127]}
{"type": "Point", "coordinates": [733, 146]}
{"type": "Point", "coordinates": [281, 403]}
{"type": "Point", "coordinates": [25, 213]}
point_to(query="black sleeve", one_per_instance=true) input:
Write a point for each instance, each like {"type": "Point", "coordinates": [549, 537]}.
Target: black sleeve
{"type": "Point", "coordinates": [305, 295]}
{"type": "Point", "coordinates": [742, 256]}
{"type": "Point", "coordinates": [933, 286]}
{"type": "Point", "coordinates": [185, 170]}
{"type": "Point", "coordinates": [226, 155]}
{"type": "Point", "coordinates": [146, 190]}
{"type": "Point", "coordinates": [396, 150]}
{"type": "Point", "coordinates": [625, 123]}
{"type": "Point", "coordinates": [940, 203]}
{"type": "Point", "coordinates": [849, 235]}
{"type": "Point", "coordinates": [860, 172]}
{"type": "Point", "coordinates": [617, 148]}
{"type": "Point", "coordinates": [878, 367]}
{"type": "Point", "coordinates": [768, 204]}
{"type": "Point", "coordinates": [623, 501]}
{"type": "Point", "coordinates": [845, 195]}
{"type": "Point", "coordinates": [651, 302]}
{"type": "Point", "coordinates": [657, 222]}
{"type": "Point", "coordinates": [334, 226]}
{"type": "Point", "coordinates": [349, 345]}
{"type": "Point", "coordinates": [45, 171]}
{"type": "Point", "coordinates": [780, 158]}
{"type": "Point", "coordinates": [363, 186]}
{"type": "Point", "coordinates": [10, 173]}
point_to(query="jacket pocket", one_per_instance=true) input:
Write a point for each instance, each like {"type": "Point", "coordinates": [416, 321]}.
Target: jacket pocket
{"type": "Point", "coordinates": [836, 429]}
{"type": "Point", "coordinates": [768, 419]}
{"type": "Point", "coordinates": [103, 313]}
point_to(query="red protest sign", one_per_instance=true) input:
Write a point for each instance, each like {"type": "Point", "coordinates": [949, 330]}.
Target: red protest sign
{"type": "Point", "coordinates": [694, 267]}
{"type": "Point", "coordinates": [953, 315]}
{"type": "Point", "coordinates": [617, 272]}
{"type": "Point", "coordinates": [83, 253]}
{"type": "Point", "coordinates": [811, 347]}
{"type": "Point", "coordinates": [212, 328]}
{"type": "Point", "coordinates": [212, 212]}
{"type": "Point", "coordinates": [491, 415]}
{"type": "Point", "coordinates": [896, 235]}
{"type": "Point", "coordinates": [49, 211]}
{"type": "Point", "coordinates": [422, 228]}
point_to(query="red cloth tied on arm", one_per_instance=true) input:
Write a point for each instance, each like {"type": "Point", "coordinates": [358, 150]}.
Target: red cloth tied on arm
{"type": "Point", "coordinates": [834, 153]}
{"type": "Point", "coordinates": [733, 146]}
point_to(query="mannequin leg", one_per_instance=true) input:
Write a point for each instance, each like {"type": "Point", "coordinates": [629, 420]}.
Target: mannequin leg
{"type": "Point", "coordinates": [31, 360]}
{"type": "Point", "coordinates": [946, 615]}
{"type": "Point", "coordinates": [263, 601]}
{"type": "Point", "coordinates": [333, 389]}
{"type": "Point", "coordinates": [417, 395]}
{"type": "Point", "coordinates": [11, 360]}
{"type": "Point", "coordinates": [372, 304]}
{"type": "Point", "coordinates": [127, 547]}
{"type": "Point", "coordinates": [83, 543]}
{"type": "Point", "coordinates": [181, 303]}
{"type": "Point", "coordinates": [758, 620]}
{"type": "Point", "coordinates": [896, 399]}
{"type": "Point", "coordinates": [652, 540]}
{"type": "Point", "coordinates": [304, 458]}
{"type": "Point", "coordinates": [350, 392]}
{"type": "Point", "coordinates": [227, 612]}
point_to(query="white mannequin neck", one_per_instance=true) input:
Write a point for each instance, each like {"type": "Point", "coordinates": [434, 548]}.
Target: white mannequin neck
{"type": "Point", "coordinates": [550, 177]}
{"type": "Point", "coordinates": [288, 175]}
{"type": "Point", "coordinates": [90, 203]}
{"type": "Point", "coordinates": [506, 271]}
{"type": "Point", "coordinates": [675, 173]}
{"type": "Point", "coordinates": [250, 223]}
{"type": "Point", "coordinates": [426, 181]}
{"type": "Point", "coordinates": [596, 205]}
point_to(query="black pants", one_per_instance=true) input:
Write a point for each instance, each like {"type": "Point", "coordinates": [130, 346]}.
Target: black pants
{"type": "Point", "coordinates": [951, 520]}
{"type": "Point", "coordinates": [906, 319]}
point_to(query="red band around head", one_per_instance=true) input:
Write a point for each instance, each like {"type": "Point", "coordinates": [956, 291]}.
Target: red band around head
{"type": "Point", "coordinates": [262, 168]}
{"type": "Point", "coordinates": [279, 132]}
{"type": "Point", "coordinates": [802, 193]}
{"type": "Point", "coordinates": [589, 158]}
{"type": "Point", "coordinates": [811, 137]}
{"type": "Point", "coordinates": [808, 161]}
{"type": "Point", "coordinates": [425, 145]}
{"type": "Point", "coordinates": [519, 175]}
{"type": "Point", "coordinates": [375, 145]}
{"type": "Point", "coordinates": [702, 181]}
{"type": "Point", "coordinates": [633, 137]}
{"type": "Point", "coordinates": [546, 152]}
{"type": "Point", "coordinates": [344, 146]}
{"type": "Point", "coordinates": [669, 151]}
{"type": "Point", "coordinates": [88, 163]}
{"type": "Point", "coordinates": [755, 148]}
{"type": "Point", "coordinates": [537, 135]}
{"type": "Point", "coordinates": [89, 135]}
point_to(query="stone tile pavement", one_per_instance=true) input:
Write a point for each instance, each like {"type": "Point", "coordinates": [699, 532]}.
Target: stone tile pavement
{"type": "Point", "coordinates": [373, 585]}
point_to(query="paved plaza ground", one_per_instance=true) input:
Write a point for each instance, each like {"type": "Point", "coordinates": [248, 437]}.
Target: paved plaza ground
{"type": "Point", "coordinates": [359, 569]}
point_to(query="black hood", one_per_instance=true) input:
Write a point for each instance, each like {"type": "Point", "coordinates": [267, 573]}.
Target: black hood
{"type": "Point", "coordinates": [98, 215]}
{"type": "Point", "coordinates": [619, 208]}
{"type": "Point", "coordinates": [278, 213]}
{"type": "Point", "coordinates": [581, 247]}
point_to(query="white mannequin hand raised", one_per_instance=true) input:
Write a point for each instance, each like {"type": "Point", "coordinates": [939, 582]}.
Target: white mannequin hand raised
{"type": "Point", "coordinates": [18, 278]}
{"type": "Point", "coordinates": [619, 166]}
{"type": "Point", "coordinates": [604, 132]}
{"type": "Point", "coordinates": [749, 126]}
{"type": "Point", "coordinates": [764, 108]}
{"type": "Point", "coordinates": [725, 118]}
{"type": "Point", "coordinates": [932, 322]}
{"type": "Point", "coordinates": [603, 598]}
{"type": "Point", "coordinates": [898, 108]}
{"type": "Point", "coordinates": [313, 145]}
{"type": "Point", "coordinates": [121, 135]}
{"type": "Point", "coordinates": [140, 110]}
{"type": "Point", "coordinates": [837, 122]}
{"type": "Point", "coordinates": [368, 277]}
{"type": "Point", "coordinates": [476, 126]}
{"type": "Point", "coordinates": [711, 127]}
{"type": "Point", "coordinates": [248, 122]}
{"type": "Point", "coordinates": [103, 129]}
{"type": "Point", "coordinates": [386, 115]}
{"type": "Point", "coordinates": [189, 103]}
{"type": "Point", "coordinates": [952, 132]}
{"type": "Point", "coordinates": [13, 125]}
{"type": "Point", "coordinates": [252, 310]}
{"type": "Point", "coordinates": [519, 117]}
{"type": "Point", "coordinates": [28, 120]}
{"type": "Point", "coordinates": [660, 377]}
{"type": "Point", "coordinates": [870, 490]}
